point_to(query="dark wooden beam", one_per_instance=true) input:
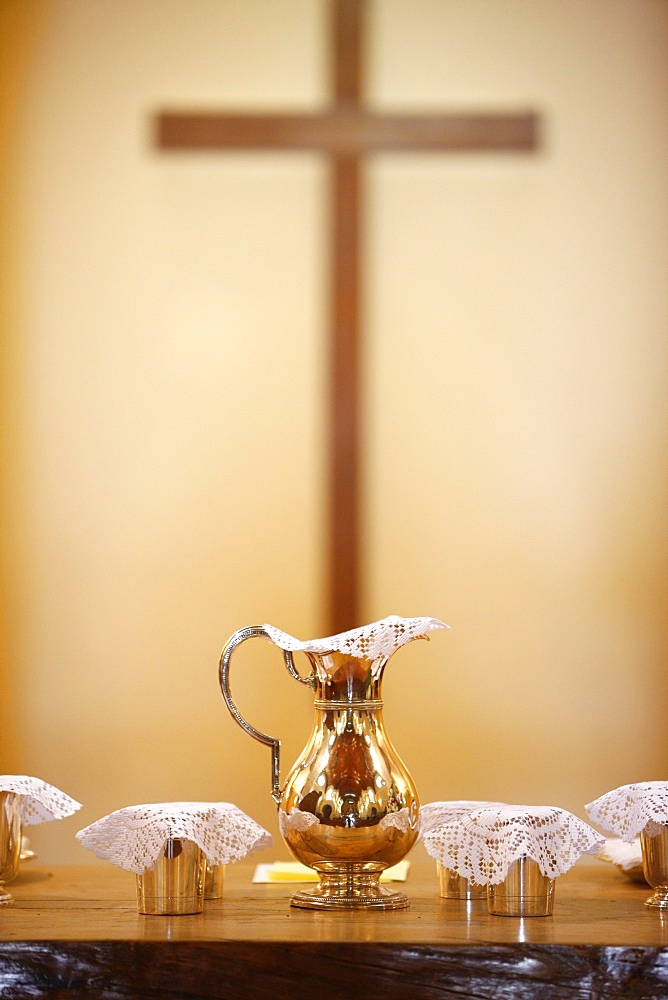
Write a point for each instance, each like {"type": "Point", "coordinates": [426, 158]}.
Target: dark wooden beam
{"type": "Point", "coordinates": [346, 132]}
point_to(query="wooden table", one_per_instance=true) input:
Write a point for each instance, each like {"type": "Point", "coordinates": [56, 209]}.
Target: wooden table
{"type": "Point", "coordinates": [75, 931]}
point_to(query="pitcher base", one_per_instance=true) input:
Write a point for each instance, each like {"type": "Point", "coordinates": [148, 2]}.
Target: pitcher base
{"type": "Point", "coordinates": [349, 886]}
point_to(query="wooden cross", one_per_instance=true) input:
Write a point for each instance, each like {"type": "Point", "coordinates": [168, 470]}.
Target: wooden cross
{"type": "Point", "coordinates": [346, 132]}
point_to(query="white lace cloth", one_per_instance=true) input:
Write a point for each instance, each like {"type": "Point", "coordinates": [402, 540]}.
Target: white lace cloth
{"type": "Point", "coordinates": [626, 855]}
{"type": "Point", "coordinates": [370, 642]}
{"type": "Point", "coordinates": [432, 814]}
{"type": "Point", "coordinates": [627, 810]}
{"type": "Point", "coordinates": [40, 802]}
{"type": "Point", "coordinates": [134, 837]}
{"type": "Point", "coordinates": [481, 845]}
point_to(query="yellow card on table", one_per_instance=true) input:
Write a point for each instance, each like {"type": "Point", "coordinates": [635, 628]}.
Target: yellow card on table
{"type": "Point", "coordinates": [293, 871]}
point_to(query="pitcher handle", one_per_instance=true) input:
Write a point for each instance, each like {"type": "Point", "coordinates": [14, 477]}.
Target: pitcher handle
{"type": "Point", "coordinates": [251, 632]}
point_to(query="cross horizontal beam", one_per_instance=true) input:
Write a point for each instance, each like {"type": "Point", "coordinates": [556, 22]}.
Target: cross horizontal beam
{"type": "Point", "coordinates": [342, 131]}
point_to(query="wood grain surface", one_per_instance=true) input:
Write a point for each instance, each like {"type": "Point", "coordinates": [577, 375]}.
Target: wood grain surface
{"type": "Point", "coordinates": [75, 931]}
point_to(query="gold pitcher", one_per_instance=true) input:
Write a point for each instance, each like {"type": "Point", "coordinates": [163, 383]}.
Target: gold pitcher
{"type": "Point", "coordinates": [349, 808]}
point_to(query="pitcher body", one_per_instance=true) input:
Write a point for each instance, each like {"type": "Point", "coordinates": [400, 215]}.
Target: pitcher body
{"type": "Point", "coordinates": [349, 798]}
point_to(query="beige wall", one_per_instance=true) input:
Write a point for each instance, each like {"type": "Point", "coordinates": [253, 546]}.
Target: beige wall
{"type": "Point", "coordinates": [165, 341]}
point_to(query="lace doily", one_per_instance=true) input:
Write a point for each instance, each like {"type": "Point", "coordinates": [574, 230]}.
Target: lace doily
{"type": "Point", "coordinates": [40, 802]}
{"type": "Point", "coordinates": [432, 814]}
{"type": "Point", "coordinates": [134, 837]}
{"type": "Point", "coordinates": [627, 810]}
{"type": "Point", "coordinates": [626, 855]}
{"type": "Point", "coordinates": [370, 642]}
{"type": "Point", "coordinates": [482, 845]}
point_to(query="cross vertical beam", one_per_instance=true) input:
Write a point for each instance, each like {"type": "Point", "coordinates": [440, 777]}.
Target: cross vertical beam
{"type": "Point", "coordinates": [344, 447]}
